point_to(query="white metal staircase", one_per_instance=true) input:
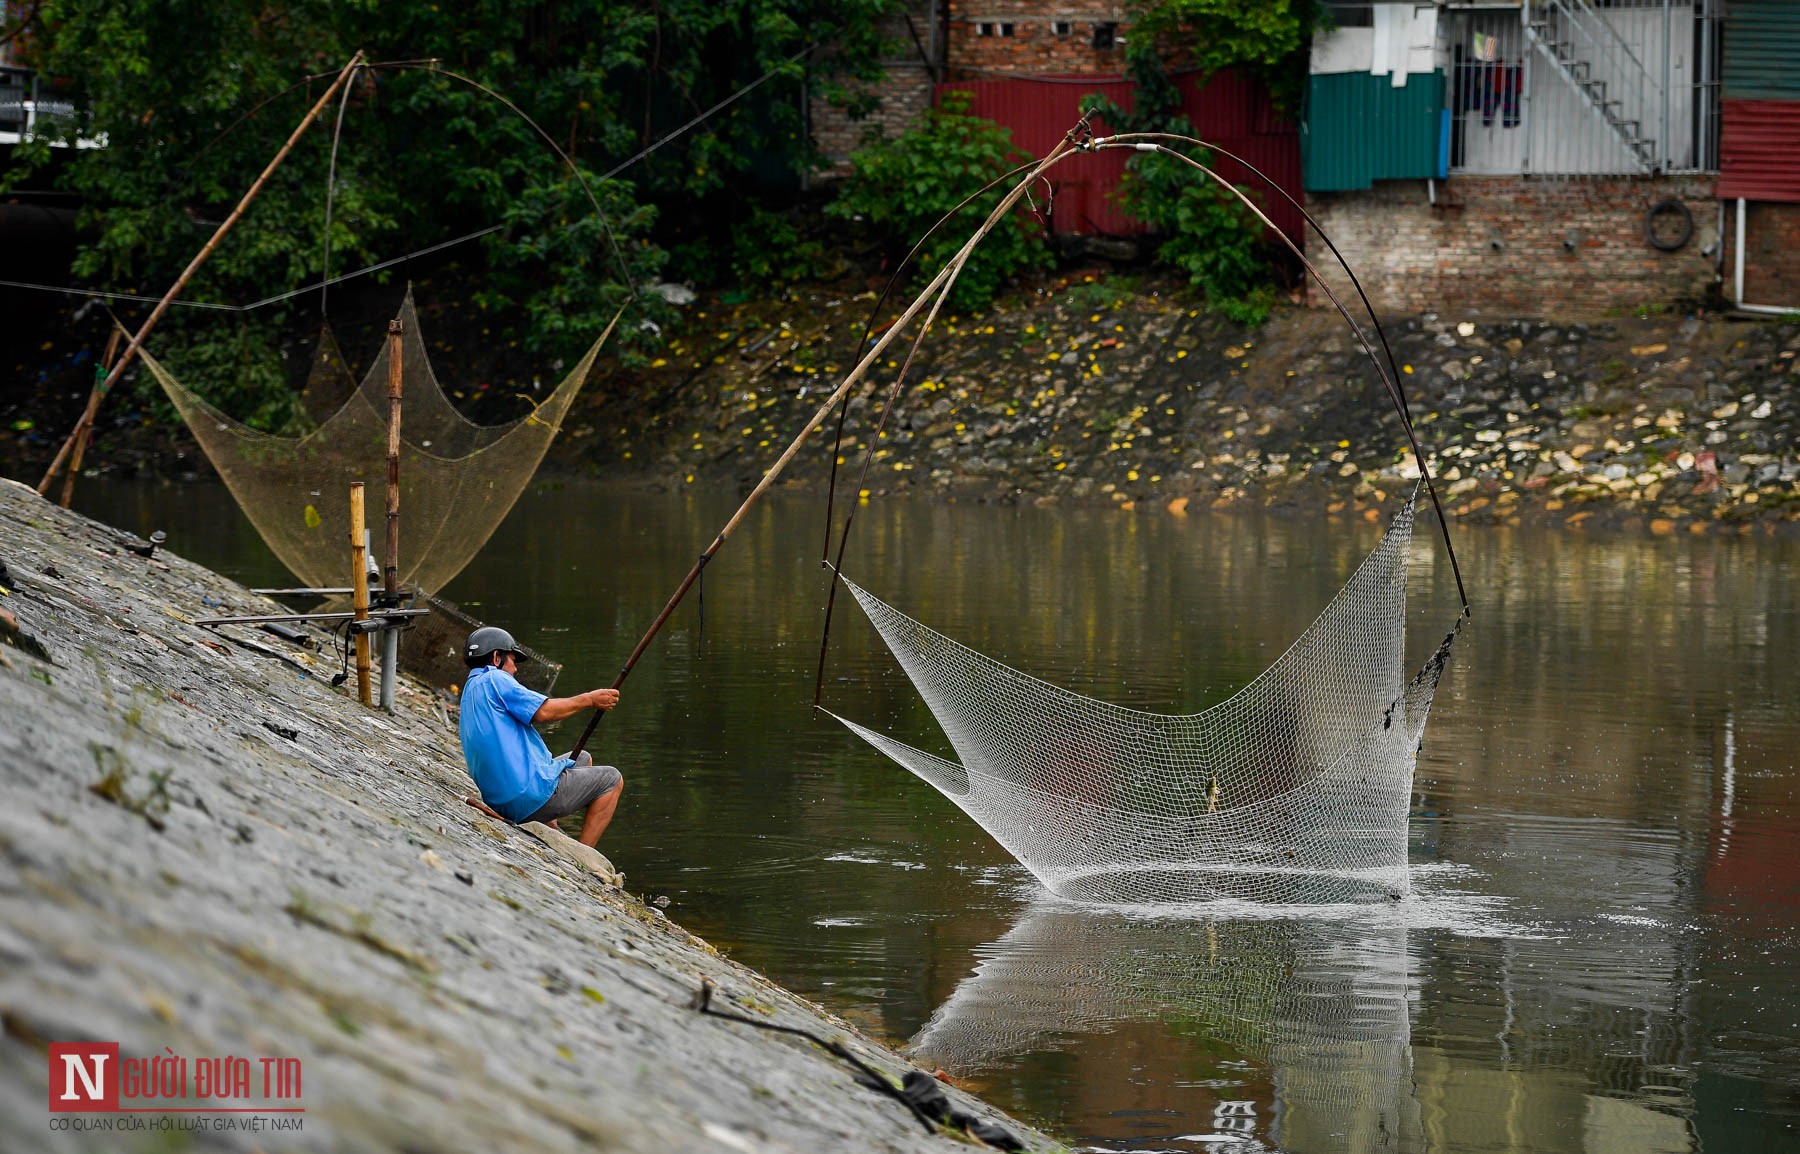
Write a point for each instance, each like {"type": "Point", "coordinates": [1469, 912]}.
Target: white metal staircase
{"type": "Point", "coordinates": [1584, 49]}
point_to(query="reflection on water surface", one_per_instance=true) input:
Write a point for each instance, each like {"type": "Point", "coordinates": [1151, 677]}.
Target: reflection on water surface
{"type": "Point", "coordinates": [1601, 952]}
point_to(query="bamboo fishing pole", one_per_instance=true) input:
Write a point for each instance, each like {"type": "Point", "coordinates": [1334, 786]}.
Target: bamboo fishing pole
{"type": "Point", "coordinates": [200, 258]}
{"type": "Point", "coordinates": [1142, 142]}
{"type": "Point", "coordinates": [945, 275]}
{"type": "Point", "coordinates": [84, 428]}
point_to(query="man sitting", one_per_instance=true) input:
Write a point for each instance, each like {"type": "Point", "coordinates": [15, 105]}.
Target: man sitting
{"type": "Point", "coordinates": [510, 763]}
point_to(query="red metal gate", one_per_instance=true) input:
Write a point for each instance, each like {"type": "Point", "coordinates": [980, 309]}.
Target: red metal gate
{"type": "Point", "coordinates": [1231, 111]}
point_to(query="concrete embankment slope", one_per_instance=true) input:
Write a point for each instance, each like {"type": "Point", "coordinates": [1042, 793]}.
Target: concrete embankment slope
{"type": "Point", "coordinates": [206, 850]}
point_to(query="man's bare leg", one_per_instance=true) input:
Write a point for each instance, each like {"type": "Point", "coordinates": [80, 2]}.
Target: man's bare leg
{"type": "Point", "coordinates": [599, 814]}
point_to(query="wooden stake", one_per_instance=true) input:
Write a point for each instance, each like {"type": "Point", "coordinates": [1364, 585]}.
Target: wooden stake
{"type": "Point", "coordinates": [390, 636]}
{"type": "Point", "coordinates": [391, 571]}
{"type": "Point", "coordinates": [85, 428]}
{"type": "Point", "coordinates": [200, 258]}
{"type": "Point", "coordinates": [359, 588]}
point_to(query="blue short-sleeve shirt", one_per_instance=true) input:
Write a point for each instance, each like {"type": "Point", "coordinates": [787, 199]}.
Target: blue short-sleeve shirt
{"type": "Point", "coordinates": [510, 763]}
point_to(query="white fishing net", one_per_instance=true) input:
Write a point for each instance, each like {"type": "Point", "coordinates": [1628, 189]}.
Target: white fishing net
{"type": "Point", "coordinates": [1295, 789]}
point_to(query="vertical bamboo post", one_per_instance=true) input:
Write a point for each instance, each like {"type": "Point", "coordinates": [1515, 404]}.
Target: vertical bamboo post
{"type": "Point", "coordinates": [84, 431]}
{"type": "Point", "coordinates": [359, 587]}
{"type": "Point", "coordinates": [200, 258]}
{"type": "Point", "coordinates": [391, 571]}
{"type": "Point", "coordinates": [390, 637]}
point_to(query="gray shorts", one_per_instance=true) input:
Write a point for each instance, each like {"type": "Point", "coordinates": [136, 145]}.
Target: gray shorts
{"type": "Point", "coordinates": [579, 787]}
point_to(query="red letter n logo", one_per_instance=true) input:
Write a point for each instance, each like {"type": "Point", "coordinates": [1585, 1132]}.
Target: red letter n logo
{"type": "Point", "coordinates": [84, 1076]}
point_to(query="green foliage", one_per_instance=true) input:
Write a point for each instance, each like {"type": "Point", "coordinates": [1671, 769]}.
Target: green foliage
{"type": "Point", "coordinates": [194, 99]}
{"type": "Point", "coordinates": [1105, 293]}
{"type": "Point", "coordinates": [768, 249]}
{"type": "Point", "coordinates": [1206, 230]}
{"type": "Point", "coordinates": [1261, 37]}
{"type": "Point", "coordinates": [902, 187]}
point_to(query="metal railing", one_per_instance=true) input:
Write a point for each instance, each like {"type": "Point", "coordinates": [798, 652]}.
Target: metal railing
{"type": "Point", "coordinates": [1575, 88]}
{"type": "Point", "coordinates": [26, 114]}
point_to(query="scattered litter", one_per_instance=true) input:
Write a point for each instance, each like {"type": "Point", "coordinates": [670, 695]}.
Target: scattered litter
{"type": "Point", "coordinates": [927, 1097]}
{"type": "Point", "coordinates": [675, 294]}
{"type": "Point", "coordinates": [146, 549]}
{"type": "Point", "coordinates": [288, 633]}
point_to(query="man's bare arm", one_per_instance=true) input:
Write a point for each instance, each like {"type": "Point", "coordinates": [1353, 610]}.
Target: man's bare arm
{"type": "Point", "coordinates": [558, 708]}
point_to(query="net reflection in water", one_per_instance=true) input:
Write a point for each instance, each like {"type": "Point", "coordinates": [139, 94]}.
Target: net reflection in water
{"type": "Point", "coordinates": [1326, 1005]}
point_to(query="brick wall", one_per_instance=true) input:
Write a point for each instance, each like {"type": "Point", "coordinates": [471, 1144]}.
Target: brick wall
{"type": "Point", "coordinates": [904, 93]}
{"type": "Point", "coordinates": [1771, 252]}
{"type": "Point", "coordinates": [1515, 247]}
{"type": "Point", "coordinates": [914, 32]}
{"type": "Point", "coordinates": [1035, 38]}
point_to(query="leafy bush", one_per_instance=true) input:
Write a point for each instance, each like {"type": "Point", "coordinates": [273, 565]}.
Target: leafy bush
{"type": "Point", "coordinates": [1265, 39]}
{"type": "Point", "coordinates": [1105, 293]}
{"type": "Point", "coordinates": [1207, 232]}
{"type": "Point", "coordinates": [768, 249]}
{"type": "Point", "coordinates": [902, 187]}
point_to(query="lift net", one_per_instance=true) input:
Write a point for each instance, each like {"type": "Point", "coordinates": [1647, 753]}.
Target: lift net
{"type": "Point", "coordinates": [1296, 789]}
{"type": "Point", "coordinates": [458, 479]}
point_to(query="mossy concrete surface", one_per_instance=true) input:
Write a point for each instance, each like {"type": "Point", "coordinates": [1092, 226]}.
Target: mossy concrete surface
{"type": "Point", "coordinates": [207, 850]}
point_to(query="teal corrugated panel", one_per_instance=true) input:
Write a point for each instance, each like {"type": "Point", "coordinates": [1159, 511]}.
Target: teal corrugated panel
{"type": "Point", "coordinates": [1762, 50]}
{"type": "Point", "coordinates": [1359, 129]}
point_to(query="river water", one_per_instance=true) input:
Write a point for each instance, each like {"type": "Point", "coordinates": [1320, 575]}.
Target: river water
{"type": "Point", "coordinates": [1602, 948]}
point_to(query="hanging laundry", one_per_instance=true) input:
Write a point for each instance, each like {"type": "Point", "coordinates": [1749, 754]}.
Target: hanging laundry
{"type": "Point", "coordinates": [1511, 78]}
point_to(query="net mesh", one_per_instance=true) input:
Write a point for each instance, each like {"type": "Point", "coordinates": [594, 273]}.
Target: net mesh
{"type": "Point", "coordinates": [1295, 789]}
{"type": "Point", "coordinates": [458, 479]}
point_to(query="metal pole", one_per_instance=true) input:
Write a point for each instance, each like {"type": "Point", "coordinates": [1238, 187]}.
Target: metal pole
{"type": "Point", "coordinates": [1703, 96]}
{"type": "Point", "coordinates": [200, 258]}
{"type": "Point", "coordinates": [1663, 145]}
{"type": "Point", "coordinates": [359, 587]}
{"type": "Point", "coordinates": [390, 662]}
{"type": "Point", "coordinates": [1737, 278]}
{"type": "Point", "coordinates": [1525, 54]}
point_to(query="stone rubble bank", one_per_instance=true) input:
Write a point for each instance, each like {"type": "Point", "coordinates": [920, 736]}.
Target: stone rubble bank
{"type": "Point", "coordinates": [1139, 399]}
